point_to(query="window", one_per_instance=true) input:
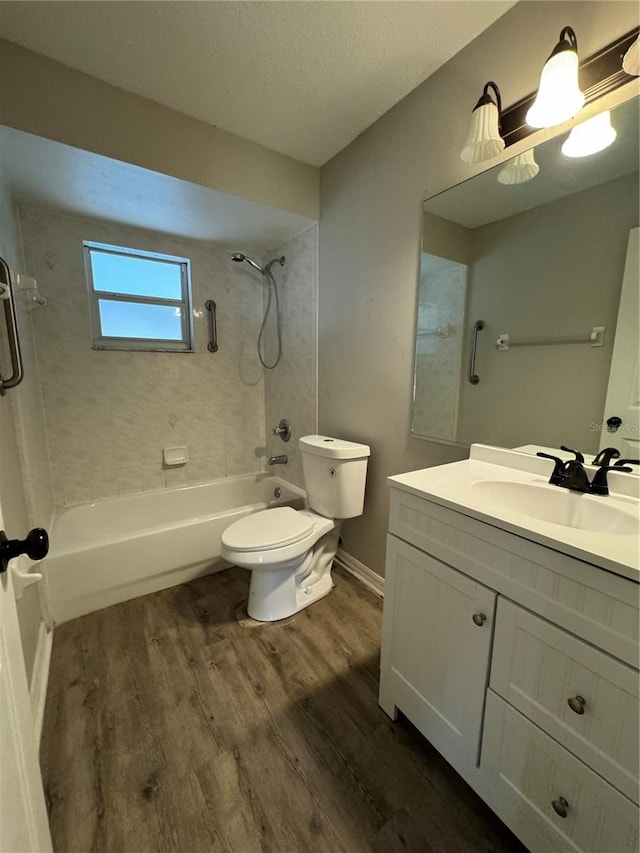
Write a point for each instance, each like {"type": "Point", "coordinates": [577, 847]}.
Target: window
{"type": "Point", "coordinates": [139, 300]}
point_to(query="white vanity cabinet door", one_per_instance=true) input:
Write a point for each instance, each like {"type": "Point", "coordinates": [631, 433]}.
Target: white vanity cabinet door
{"type": "Point", "coordinates": [541, 669]}
{"type": "Point", "coordinates": [436, 644]}
{"type": "Point", "coordinates": [526, 772]}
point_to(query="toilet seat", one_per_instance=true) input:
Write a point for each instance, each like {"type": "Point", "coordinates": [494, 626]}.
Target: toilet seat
{"type": "Point", "coordinates": [268, 529]}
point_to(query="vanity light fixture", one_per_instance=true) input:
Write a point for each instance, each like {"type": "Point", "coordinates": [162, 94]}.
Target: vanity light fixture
{"type": "Point", "coordinates": [591, 136]}
{"type": "Point", "coordinates": [484, 140]}
{"type": "Point", "coordinates": [520, 169]}
{"type": "Point", "coordinates": [631, 59]}
{"type": "Point", "coordinates": [559, 96]}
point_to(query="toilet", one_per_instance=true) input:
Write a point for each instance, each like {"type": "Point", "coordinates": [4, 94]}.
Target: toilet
{"type": "Point", "coordinates": [290, 552]}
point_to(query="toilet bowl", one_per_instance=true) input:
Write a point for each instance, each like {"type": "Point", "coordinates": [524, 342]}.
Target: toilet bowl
{"type": "Point", "coordinates": [290, 552]}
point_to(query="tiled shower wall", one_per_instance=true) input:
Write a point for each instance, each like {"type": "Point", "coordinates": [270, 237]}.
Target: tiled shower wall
{"type": "Point", "coordinates": [291, 388]}
{"type": "Point", "coordinates": [109, 414]}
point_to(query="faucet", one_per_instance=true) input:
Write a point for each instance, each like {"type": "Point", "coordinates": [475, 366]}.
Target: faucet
{"type": "Point", "coordinates": [278, 460]}
{"type": "Point", "coordinates": [571, 475]}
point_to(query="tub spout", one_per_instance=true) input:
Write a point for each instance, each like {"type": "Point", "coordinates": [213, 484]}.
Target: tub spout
{"type": "Point", "coordinates": [278, 460]}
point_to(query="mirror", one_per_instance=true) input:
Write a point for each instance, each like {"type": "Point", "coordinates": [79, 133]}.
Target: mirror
{"type": "Point", "coordinates": [542, 263]}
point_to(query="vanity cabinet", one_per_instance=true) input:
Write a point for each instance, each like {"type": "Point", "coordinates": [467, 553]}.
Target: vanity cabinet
{"type": "Point", "coordinates": [520, 665]}
{"type": "Point", "coordinates": [436, 657]}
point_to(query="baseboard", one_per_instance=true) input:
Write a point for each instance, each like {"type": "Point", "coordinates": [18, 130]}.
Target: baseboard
{"type": "Point", "coordinates": [367, 576]}
{"type": "Point", "coordinates": [40, 678]}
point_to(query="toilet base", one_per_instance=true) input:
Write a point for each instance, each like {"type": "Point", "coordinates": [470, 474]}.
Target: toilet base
{"type": "Point", "coordinates": [276, 593]}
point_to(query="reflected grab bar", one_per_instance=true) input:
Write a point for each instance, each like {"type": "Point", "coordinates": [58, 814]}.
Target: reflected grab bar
{"type": "Point", "coordinates": [212, 346]}
{"type": "Point", "coordinates": [478, 326]}
{"type": "Point", "coordinates": [8, 297]}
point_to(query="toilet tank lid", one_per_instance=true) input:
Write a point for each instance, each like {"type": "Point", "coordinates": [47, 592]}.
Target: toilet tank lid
{"type": "Point", "coordinates": [333, 448]}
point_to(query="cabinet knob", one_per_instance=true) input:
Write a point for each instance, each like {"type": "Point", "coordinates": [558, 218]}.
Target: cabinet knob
{"type": "Point", "coordinates": [479, 619]}
{"type": "Point", "coordinates": [560, 806]}
{"type": "Point", "coordinates": [577, 703]}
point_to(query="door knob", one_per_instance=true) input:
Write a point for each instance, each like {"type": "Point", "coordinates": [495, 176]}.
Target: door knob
{"type": "Point", "coordinates": [560, 806]}
{"type": "Point", "coordinates": [614, 423]}
{"type": "Point", "coordinates": [479, 619]}
{"type": "Point", "coordinates": [35, 545]}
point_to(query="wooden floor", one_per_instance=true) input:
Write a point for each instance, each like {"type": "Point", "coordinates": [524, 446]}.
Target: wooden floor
{"type": "Point", "coordinates": [175, 723]}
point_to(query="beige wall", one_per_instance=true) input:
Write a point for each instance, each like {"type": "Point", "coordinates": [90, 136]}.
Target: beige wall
{"type": "Point", "coordinates": [370, 229]}
{"type": "Point", "coordinates": [552, 271]}
{"type": "Point", "coordinates": [25, 490]}
{"type": "Point", "coordinates": [48, 99]}
{"type": "Point", "coordinates": [291, 388]}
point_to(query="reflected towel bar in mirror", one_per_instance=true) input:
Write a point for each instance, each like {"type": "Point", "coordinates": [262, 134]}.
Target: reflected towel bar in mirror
{"type": "Point", "coordinates": [442, 331]}
{"type": "Point", "coordinates": [595, 338]}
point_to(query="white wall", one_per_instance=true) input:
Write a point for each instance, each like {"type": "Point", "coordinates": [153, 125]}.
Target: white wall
{"type": "Point", "coordinates": [370, 228]}
{"type": "Point", "coordinates": [109, 414]}
{"type": "Point", "coordinates": [25, 487]}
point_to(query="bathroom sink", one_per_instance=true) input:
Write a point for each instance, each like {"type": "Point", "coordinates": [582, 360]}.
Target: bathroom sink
{"type": "Point", "coordinates": [556, 505]}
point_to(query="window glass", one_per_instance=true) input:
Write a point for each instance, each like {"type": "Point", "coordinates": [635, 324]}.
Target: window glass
{"type": "Point", "coordinates": [135, 276]}
{"type": "Point", "coordinates": [139, 300]}
{"type": "Point", "coordinates": [140, 320]}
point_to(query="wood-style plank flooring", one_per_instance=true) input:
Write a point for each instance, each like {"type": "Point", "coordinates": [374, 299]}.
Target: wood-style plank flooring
{"type": "Point", "coordinates": [175, 724]}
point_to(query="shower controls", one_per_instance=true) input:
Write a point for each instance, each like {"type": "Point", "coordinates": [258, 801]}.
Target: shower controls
{"type": "Point", "coordinates": [35, 545]}
{"type": "Point", "coordinates": [283, 430]}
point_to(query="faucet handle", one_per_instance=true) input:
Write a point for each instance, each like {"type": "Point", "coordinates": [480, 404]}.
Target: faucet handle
{"type": "Point", "coordinates": [578, 455]}
{"type": "Point", "coordinates": [605, 456]}
{"type": "Point", "coordinates": [599, 485]}
{"type": "Point", "coordinates": [620, 462]}
{"type": "Point", "coordinates": [557, 475]}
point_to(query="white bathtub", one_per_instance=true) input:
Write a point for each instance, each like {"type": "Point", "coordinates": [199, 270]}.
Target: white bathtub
{"type": "Point", "coordinates": [113, 550]}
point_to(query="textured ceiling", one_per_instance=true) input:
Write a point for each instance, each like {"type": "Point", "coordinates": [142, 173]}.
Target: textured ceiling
{"type": "Point", "coordinates": [302, 78]}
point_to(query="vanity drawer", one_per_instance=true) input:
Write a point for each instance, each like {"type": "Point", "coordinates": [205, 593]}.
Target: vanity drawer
{"type": "Point", "coordinates": [526, 771]}
{"type": "Point", "coordinates": [595, 604]}
{"type": "Point", "coordinates": [539, 668]}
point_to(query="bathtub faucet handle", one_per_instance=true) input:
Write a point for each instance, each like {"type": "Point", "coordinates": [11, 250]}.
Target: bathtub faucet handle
{"type": "Point", "coordinates": [283, 430]}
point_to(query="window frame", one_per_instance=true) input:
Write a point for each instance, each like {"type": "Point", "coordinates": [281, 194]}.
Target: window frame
{"type": "Point", "coordinates": [102, 342]}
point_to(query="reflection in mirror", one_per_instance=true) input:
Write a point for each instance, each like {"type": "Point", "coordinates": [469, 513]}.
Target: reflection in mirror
{"type": "Point", "coordinates": [541, 262]}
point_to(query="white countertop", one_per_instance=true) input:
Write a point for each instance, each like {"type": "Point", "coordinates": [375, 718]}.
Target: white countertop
{"type": "Point", "coordinates": [452, 486]}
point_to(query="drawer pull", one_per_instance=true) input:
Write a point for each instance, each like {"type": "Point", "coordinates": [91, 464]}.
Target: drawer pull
{"type": "Point", "coordinates": [479, 619]}
{"type": "Point", "coordinates": [560, 806]}
{"type": "Point", "coordinates": [577, 703]}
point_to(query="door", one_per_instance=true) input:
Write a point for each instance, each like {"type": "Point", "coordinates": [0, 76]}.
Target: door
{"type": "Point", "coordinates": [623, 392]}
{"type": "Point", "coordinates": [437, 631]}
{"type": "Point", "coordinates": [24, 827]}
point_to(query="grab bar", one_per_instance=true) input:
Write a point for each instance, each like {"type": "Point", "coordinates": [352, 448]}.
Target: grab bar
{"type": "Point", "coordinates": [7, 296]}
{"type": "Point", "coordinates": [212, 346]}
{"type": "Point", "coordinates": [478, 326]}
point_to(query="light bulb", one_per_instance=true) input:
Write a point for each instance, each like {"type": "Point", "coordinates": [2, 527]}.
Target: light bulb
{"type": "Point", "coordinates": [521, 169]}
{"type": "Point", "coordinates": [591, 136]}
{"type": "Point", "coordinates": [484, 140]}
{"type": "Point", "coordinates": [559, 97]}
{"type": "Point", "coordinates": [631, 60]}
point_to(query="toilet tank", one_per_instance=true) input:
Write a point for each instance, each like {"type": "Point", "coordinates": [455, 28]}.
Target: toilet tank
{"type": "Point", "coordinates": [334, 475]}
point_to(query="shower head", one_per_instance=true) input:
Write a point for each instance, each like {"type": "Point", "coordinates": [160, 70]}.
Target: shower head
{"type": "Point", "coordinates": [238, 257]}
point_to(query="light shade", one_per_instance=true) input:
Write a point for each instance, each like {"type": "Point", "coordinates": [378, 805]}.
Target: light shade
{"type": "Point", "coordinates": [521, 169]}
{"type": "Point", "coordinates": [484, 140]}
{"type": "Point", "coordinates": [591, 136]}
{"type": "Point", "coordinates": [559, 97]}
{"type": "Point", "coordinates": [631, 59]}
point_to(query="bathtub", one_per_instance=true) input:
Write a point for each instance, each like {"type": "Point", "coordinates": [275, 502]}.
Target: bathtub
{"type": "Point", "coordinates": [112, 550]}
